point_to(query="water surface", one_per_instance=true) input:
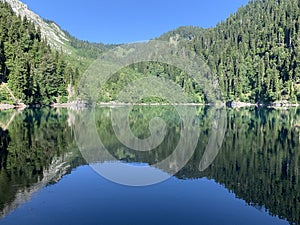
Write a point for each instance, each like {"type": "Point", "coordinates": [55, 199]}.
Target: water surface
{"type": "Point", "coordinates": [254, 178]}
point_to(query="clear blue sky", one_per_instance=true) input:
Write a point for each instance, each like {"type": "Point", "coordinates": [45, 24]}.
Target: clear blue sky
{"type": "Point", "coordinates": [123, 21]}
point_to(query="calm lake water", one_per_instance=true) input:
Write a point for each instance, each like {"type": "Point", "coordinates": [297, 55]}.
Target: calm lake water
{"type": "Point", "coordinates": [251, 176]}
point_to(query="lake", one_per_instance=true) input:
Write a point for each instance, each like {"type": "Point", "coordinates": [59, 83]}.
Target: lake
{"type": "Point", "coordinates": [235, 166]}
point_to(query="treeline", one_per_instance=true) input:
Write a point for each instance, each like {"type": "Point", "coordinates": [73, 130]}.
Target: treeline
{"type": "Point", "coordinates": [255, 53]}
{"type": "Point", "coordinates": [35, 73]}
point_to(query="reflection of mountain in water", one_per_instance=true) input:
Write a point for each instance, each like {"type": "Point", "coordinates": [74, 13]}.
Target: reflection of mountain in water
{"type": "Point", "coordinates": [258, 161]}
{"type": "Point", "coordinates": [54, 173]}
{"type": "Point", "coordinates": [34, 152]}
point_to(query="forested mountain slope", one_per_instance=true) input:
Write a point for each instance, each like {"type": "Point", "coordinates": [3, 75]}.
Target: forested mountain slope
{"type": "Point", "coordinates": [35, 73]}
{"type": "Point", "coordinates": [255, 53]}
{"type": "Point", "coordinates": [39, 62]}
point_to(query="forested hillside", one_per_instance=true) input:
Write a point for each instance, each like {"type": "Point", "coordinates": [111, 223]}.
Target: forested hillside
{"type": "Point", "coordinates": [255, 53]}
{"type": "Point", "coordinates": [34, 72]}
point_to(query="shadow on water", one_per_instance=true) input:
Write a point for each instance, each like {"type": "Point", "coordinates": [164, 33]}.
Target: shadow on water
{"type": "Point", "coordinates": [258, 160]}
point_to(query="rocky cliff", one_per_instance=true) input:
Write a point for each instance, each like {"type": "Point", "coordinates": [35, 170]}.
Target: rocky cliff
{"type": "Point", "coordinates": [50, 31]}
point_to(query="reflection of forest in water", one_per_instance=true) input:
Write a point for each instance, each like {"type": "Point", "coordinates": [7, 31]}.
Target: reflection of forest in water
{"type": "Point", "coordinates": [258, 160]}
{"type": "Point", "coordinates": [36, 150]}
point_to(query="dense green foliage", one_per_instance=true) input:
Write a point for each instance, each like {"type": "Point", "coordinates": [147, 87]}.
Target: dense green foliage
{"type": "Point", "coordinates": [124, 77]}
{"type": "Point", "coordinates": [255, 53]}
{"type": "Point", "coordinates": [35, 73]}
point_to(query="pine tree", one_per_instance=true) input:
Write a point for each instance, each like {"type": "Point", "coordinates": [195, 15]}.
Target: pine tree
{"type": "Point", "coordinates": [35, 73]}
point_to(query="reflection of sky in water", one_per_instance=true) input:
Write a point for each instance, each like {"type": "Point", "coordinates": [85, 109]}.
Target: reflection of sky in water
{"type": "Point", "coordinates": [138, 164]}
{"type": "Point", "coordinates": [133, 174]}
{"type": "Point", "coordinates": [84, 197]}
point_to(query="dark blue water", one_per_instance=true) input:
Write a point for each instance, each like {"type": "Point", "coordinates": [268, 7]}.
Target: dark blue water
{"type": "Point", "coordinates": [83, 197]}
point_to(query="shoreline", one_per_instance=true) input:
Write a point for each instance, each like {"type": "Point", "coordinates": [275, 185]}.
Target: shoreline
{"type": "Point", "coordinates": [278, 104]}
{"type": "Point", "coordinates": [19, 107]}
{"type": "Point", "coordinates": [81, 105]}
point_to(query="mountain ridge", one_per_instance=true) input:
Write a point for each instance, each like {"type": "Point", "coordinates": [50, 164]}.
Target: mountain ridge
{"type": "Point", "coordinates": [50, 31]}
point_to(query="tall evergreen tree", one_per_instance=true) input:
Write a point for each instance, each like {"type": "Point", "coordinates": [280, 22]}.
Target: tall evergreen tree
{"type": "Point", "coordinates": [35, 73]}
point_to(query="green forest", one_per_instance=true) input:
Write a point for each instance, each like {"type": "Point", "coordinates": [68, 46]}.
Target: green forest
{"type": "Point", "coordinates": [34, 72]}
{"type": "Point", "coordinates": [254, 54]}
